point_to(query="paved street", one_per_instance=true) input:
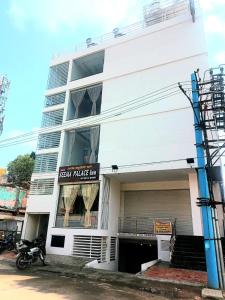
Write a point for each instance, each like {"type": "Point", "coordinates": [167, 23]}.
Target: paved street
{"type": "Point", "coordinates": [15, 285]}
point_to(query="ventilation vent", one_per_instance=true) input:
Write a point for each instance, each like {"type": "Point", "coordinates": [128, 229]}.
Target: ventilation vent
{"type": "Point", "coordinates": [49, 140]}
{"type": "Point", "coordinates": [55, 99]}
{"type": "Point", "coordinates": [52, 118]}
{"type": "Point", "coordinates": [45, 162]}
{"type": "Point", "coordinates": [90, 246]}
{"type": "Point", "coordinates": [42, 186]}
{"type": "Point", "coordinates": [113, 248]}
{"type": "Point", "coordinates": [58, 75]}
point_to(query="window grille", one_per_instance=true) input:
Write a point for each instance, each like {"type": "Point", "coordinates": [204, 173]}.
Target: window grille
{"type": "Point", "coordinates": [90, 246]}
{"type": "Point", "coordinates": [52, 118]}
{"type": "Point", "coordinates": [58, 75]}
{"type": "Point", "coordinates": [55, 99]}
{"type": "Point", "coordinates": [42, 186]}
{"type": "Point", "coordinates": [113, 248]}
{"type": "Point", "coordinates": [49, 140]}
{"type": "Point", "coordinates": [45, 162]}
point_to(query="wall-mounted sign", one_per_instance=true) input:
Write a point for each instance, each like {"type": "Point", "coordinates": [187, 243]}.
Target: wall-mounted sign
{"type": "Point", "coordinates": [87, 172]}
{"type": "Point", "coordinates": [162, 227]}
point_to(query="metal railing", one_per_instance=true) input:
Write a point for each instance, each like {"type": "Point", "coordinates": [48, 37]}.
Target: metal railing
{"type": "Point", "coordinates": [167, 10]}
{"type": "Point", "coordinates": [77, 221]}
{"type": "Point", "coordinates": [141, 225]}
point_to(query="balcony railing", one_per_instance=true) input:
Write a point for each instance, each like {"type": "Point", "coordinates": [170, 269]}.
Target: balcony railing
{"type": "Point", "coordinates": [77, 221]}
{"type": "Point", "coordinates": [167, 10]}
{"type": "Point", "coordinates": [141, 225]}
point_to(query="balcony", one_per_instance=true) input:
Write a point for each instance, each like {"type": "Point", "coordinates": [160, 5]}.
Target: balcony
{"type": "Point", "coordinates": [142, 225]}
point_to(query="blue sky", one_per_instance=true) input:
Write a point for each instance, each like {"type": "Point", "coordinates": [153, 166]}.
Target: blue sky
{"type": "Point", "coordinates": [33, 30]}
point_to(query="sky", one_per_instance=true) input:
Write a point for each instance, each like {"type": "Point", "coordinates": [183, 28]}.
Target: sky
{"type": "Point", "coordinates": [32, 31]}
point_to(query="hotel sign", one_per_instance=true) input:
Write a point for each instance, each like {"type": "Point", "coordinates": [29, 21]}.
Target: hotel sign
{"type": "Point", "coordinates": [162, 227]}
{"type": "Point", "coordinates": [88, 172]}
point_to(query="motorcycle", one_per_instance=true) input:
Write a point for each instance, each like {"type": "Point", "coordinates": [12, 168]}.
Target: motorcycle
{"type": "Point", "coordinates": [30, 252]}
{"type": "Point", "coordinates": [8, 243]}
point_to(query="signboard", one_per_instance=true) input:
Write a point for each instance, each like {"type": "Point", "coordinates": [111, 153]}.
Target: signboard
{"type": "Point", "coordinates": [89, 172]}
{"type": "Point", "coordinates": [162, 227]}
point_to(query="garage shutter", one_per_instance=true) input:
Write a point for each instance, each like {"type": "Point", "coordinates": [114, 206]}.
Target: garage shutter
{"type": "Point", "coordinates": [161, 204]}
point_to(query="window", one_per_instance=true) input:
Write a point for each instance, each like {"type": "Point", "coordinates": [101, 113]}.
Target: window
{"type": "Point", "coordinates": [52, 118]}
{"type": "Point", "coordinates": [49, 140]}
{"type": "Point", "coordinates": [42, 186]}
{"type": "Point", "coordinates": [55, 99]}
{"type": "Point", "coordinates": [45, 162]}
{"type": "Point", "coordinates": [81, 146]}
{"type": "Point", "coordinates": [58, 241]}
{"type": "Point", "coordinates": [88, 65]}
{"type": "Point", "coordinates": [85, 102]}
{"type": "Point", "coordinates": [78, 206]}
{"type": "Point", "coordinates": [58, 75]}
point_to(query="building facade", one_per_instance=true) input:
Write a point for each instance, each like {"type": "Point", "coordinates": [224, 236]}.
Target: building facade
{"type": "Point", "coordinates": [111, 161]}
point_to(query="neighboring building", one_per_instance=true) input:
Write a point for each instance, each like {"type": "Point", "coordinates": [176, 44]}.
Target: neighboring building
{"type": "Point", "coordinates": [145, 181]}
{"type": "Point", "coordinates": [13, 202]}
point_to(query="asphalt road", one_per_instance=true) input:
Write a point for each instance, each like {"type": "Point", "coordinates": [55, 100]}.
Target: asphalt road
{"type": "Point", "coordinates": [17, 285]}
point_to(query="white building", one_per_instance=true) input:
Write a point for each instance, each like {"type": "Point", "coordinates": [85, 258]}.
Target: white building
{"type": "Point", "coordinates": [117, 103]}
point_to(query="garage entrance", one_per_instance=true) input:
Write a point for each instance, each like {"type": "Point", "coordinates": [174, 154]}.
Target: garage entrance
{"type": "Point", "coordinates": [134, 252]}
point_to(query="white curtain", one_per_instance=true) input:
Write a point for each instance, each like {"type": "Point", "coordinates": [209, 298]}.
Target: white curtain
{"type": "Point", "coordinates": [89, 193]}
{"type": "Point", "coordinates": [94, 93]}
{"type": "Point", "coordinates": [71, 141]}
{"type": "Point", "coordinates": [77, 98]}
{"type": "Point", "coordinates": [94, 139]}
{"type": "Point", "coordinates": [69, 194]}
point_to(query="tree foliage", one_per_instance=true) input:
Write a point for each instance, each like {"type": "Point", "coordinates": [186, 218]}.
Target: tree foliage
{"type": "Point", "coordinates": [20, 169]}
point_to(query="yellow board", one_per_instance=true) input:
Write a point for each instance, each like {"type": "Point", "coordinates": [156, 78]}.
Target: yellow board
{"type": "Point", "coordinates": [162, 227]}
{"type": "Point", "coordinates": [2, 171]}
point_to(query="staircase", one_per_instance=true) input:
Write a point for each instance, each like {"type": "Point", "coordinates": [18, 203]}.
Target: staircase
{"type": "Point", "coordinates": [189, 253]}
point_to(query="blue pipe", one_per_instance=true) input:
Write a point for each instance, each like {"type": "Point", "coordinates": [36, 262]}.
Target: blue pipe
{"type": "Point", "coordinates": [208, 230]}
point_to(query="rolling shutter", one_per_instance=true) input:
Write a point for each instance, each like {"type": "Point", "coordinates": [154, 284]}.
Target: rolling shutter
{"type": "Point", "coordinates": [161, 204]}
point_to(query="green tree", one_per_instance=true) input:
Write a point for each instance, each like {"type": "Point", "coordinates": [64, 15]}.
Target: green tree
{"type": "Point", "coordinates": [20, 170]}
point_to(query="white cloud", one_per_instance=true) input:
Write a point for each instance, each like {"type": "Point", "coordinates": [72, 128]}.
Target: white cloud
{"type": "Point", "coordinates": [208, 5]}
{"type": "Point", "coordinates": [219, 57]}
{"type": "Point", "coordinates": [55, 15]}
{"type": "Point", "coordinates": [214, 24]}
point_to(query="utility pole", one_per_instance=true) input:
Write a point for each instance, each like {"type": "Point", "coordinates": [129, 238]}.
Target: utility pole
{"type": "Point", "coordinates": [204, 196]}
{"type": "Point", "coordinates": [4, 87]}
{"type": "Point", "coordinates": [208, 104]}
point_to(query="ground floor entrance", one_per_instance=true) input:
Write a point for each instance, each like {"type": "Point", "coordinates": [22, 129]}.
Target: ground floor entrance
{"type": "Point", "coordinates": [37, 224]}
{"type": "Point", "coordinates": [134, 252]}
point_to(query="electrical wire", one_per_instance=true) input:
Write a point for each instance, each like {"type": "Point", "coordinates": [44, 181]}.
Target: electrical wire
{"type": "Point", "coordinates": [28, 137]}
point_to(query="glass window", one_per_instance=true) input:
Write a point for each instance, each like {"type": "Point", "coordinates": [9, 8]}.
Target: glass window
{"type": "Point", "coordinates": [81, 146]}
{"type": "Point", "coordinates": [85, 102]}
{"type": "Point", "coordinates": [78, 206]}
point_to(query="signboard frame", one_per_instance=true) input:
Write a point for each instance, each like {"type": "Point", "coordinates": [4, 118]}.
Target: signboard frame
{"type": "Point", "coordinates": [163, 227]}
{"type": "Point", "coordinates": [79, 173]}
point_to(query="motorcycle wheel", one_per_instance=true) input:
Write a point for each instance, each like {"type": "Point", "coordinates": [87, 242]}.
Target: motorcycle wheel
{"type": "Point", "coordinates": [20, 263]}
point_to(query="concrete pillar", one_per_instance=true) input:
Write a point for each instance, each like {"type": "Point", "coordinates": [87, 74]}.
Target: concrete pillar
{"type": "Point", "coordinates": [195, 210]}
{"type": "Point", "coordinates": [219, 208]}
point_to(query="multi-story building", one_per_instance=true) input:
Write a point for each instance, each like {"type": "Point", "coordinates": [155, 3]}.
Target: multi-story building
{"type": "Point", "coordinates": [115, 162]}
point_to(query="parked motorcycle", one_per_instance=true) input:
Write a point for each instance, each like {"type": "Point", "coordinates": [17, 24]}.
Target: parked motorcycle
{"type": "Point", "coordinates": [8, 243]}
{"type": "Point", "coordinates": [30, 252]}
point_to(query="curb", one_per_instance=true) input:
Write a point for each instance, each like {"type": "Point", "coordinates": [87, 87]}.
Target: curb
{"type": "Point", "coordinates": [163, 287]}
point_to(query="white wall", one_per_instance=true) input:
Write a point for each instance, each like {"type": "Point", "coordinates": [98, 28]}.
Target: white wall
{"type": "Point", "coordinates": [114, 206]}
